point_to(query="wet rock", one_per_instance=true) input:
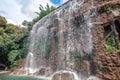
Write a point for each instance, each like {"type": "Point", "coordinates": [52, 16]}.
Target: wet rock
{"type": "Point", "coordinates": [4, 72]}
{"type": "Point", "coordinates": [63, 76]}
{"type": "Point", "coordinates": [44, 71]}
{"type": "Point", "coordinates": [93, 78]}
{"type": "Point", "coordinates": [41, 71]}
{"type": "Point", "coordinates": [83, 67]}
{"type": "Point", "coordinates": [19, 72]}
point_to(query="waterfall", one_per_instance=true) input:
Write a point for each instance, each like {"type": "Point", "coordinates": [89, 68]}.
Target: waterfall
{"type": "Point", "coordinates": [30, 65]}
{"type": "Point", "coordinates": [61, 42]}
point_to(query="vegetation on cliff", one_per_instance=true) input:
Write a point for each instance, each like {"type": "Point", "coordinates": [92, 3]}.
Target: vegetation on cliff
{"type": "Point", "coordinates": [111, 45]}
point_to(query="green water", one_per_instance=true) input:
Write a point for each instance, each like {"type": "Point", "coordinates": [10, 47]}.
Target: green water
{"type": "Point", "coordinates": [7, 77]}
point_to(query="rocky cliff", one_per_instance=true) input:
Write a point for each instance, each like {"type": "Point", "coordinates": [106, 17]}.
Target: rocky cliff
{"type": "Point", "coordinates": [72, 41]}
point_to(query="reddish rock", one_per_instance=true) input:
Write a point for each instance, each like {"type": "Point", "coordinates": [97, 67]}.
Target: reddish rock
{"type": "Point", "coordinates": [63, 76]}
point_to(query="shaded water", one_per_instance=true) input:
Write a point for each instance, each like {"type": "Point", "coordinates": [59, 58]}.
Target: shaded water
{"type": "Point", "coordinates": [8, 77]}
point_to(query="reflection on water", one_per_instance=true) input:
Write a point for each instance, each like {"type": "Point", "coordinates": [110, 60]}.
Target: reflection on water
{"type": "Point", "coordinates": [7, 77]}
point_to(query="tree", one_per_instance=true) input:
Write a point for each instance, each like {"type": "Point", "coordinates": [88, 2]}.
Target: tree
{"type": "Point", "coordinates": [12, 43]}
{"type": "Point", "coordinates": [3, 21]}
{"type": "Point", "coordinates": [42, 12]}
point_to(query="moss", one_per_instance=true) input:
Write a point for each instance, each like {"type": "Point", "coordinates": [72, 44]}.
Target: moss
{"type": "Point", "coordinates": [101, 67]}
{"type": "Point", "coordinates": [76, 55]}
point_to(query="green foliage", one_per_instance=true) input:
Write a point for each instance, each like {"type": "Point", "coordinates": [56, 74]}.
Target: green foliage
{"type": "Point", "coordinates": [111, 45]}
{"type": "Point", "coordinates": [111, 41]}
{"type": "Point", "coordinates": [28, 24]}
{"type": "Point", "coordinates": [3, 21]}
{"type": "Point", "coordinates": [13, 55]}
{"type": "Point", "coordinates": [42, 12]}
{"type": "Point", "coordinates": [13, 41]}
{"type": "Point", "coordinates": [107, 9]}
{"type": "Point", "coordinates": [110, 48]}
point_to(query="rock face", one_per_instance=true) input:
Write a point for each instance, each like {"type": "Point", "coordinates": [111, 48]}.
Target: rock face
{"type": "Point", "coordinates": [72, 39]}
{"type": "Point", "coordinates": [93, 78]}
{"type": "Point", "coordinates": [63, 40]}
{"type": "Point", "coordinates": [108, 65]}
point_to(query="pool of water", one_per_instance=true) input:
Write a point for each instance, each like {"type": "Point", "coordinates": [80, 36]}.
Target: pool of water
{"type": "Point", "coordinates": [8, 77]}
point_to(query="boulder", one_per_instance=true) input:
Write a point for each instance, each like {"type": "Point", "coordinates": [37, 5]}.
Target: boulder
{"type": "Point", "coordinates": [63, 75]}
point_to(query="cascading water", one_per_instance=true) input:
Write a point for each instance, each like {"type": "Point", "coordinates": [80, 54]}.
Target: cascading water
{"type": "Point", "coordinates": [61, 39]}
{"type": "Point", "coordinates": [30, 67]}
{"type": "Point", "coordinates": [37, 51]}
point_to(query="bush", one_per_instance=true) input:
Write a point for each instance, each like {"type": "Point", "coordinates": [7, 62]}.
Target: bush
{"type": "Point", "coordinates": [111, 45]}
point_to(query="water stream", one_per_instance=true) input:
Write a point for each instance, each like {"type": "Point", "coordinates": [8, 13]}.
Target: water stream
{"type": "Point", "coordinates": [61, 39]}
